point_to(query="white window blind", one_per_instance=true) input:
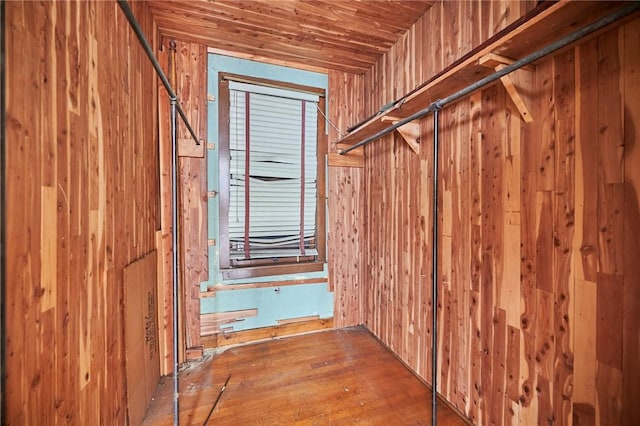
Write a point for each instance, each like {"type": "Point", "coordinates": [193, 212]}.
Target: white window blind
{"type": "Point", "coordinates": [272, 200]}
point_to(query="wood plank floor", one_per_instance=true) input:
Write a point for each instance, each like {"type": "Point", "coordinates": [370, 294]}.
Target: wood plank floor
{"type": "Point", "coordinates": [337, 377]}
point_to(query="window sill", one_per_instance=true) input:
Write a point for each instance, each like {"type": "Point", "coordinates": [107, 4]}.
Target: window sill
{"type": "Point", "coordinates": [264, 271]}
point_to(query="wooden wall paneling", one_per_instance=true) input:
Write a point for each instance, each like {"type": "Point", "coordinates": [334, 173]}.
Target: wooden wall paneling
{"type": "Point", "coordinates": [512, 389]}
{"type": "Point", "coordinates": [611, 149]}
{"type": "Point", "coordinates": [537, 192]}
{"type": "Point", "coordinates": [610, 108]}
{"type": "Point", "coordinates": [164, 246]}
{"type": "Point", "coordinates": [475, 266]}
{"type": "Point", "coordinates": [610, 225]}
{"type": "Point", "coordinates": [498, 368]}
{"type": "Point", "coordinates": [631, 295]}
{"type": "Point", "coordinates": [346, 215]}
{"type": "Point", "coordinates": [528, 271]}
{"type": "Point", "coordinates": [585, 246]}
{"type": "Point", "coordinates": [492, 101]}
{"type": "Point", "coordinates": [425, 205]}
{"type": "Point", "coordinates": [564, 221]}
{"type": "Point", "coordinates": [475, 413]}
{"type": "Point", "coordinates": [65, 187]}
{"type": "Point", "coordinates": [609, 388]}
{"type": "Point", "coordinates": [586, 104]}
{"type": "Point", "coordinates": [463, 265]}
{"type": "Point", "coordinates": [509, 295]}
{"type": "Point", "coordinates": [191, 81]}
{"type": "Point", "coordinates": [66, 299]}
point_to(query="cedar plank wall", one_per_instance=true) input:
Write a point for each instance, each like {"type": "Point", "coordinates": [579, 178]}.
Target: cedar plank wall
{"type": "Point", "coordinates": [345, 223]}
{"type": "Point", "coordinates": [82, 202]}
{"type": "Point", "coordinates": [191, 88]}
{"type": "Point", "coordinates": [539, 279]}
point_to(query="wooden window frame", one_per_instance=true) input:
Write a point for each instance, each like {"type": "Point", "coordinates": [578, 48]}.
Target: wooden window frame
{"type": "Point", "coordinates": [267, 267]}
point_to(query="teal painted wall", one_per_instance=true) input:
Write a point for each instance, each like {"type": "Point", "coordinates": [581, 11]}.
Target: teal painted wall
{"type": "Point", "coordinates": [273, 304]}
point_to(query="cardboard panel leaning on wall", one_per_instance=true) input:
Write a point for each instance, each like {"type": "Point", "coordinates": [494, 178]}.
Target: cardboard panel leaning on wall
{"type": "Point", "coordinates": [141, 334]}
{"type": "Point", "coordinates": [82, 185]}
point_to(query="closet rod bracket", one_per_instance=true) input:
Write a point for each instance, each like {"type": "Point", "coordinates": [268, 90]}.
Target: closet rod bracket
{"type": "Point", "coordinates": [518, 84]}
{"type": "Point", "coordinates": [410, 132]}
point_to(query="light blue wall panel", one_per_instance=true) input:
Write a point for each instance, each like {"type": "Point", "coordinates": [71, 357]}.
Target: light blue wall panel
{"type": "Point", "coordinates": [291, 301]}
{"type": "Point", "coordinates": [288, 302]}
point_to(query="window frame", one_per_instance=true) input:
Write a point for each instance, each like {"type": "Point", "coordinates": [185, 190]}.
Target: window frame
{"type": "Point", "coordinates": [258, 267]}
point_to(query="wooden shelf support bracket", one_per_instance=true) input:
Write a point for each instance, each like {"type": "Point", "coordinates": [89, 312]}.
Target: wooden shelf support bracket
{"type": "Point", "coordinates": [410, 132]}
{"type": "Point", "coordinates": [521, 78]}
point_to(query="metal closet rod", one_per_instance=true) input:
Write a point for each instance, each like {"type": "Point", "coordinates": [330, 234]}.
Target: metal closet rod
{"type": "Point", "coordinates": [434, 275]}
{"type": "Point", "coordinates": [439, 104]}
{"type": "Point", "coordinates": [124, 5]}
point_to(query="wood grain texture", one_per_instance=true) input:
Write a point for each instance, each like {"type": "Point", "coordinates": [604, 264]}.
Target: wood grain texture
{"type": "Point", "coordinates": [534, 194]}
{"type": "Point", "coordinates": [345, 224]}
{"type": "Point", "coordinates": [631, 297]}
{"type": "Point", "coordinates": [82, 203]}
{"type": "Point", "coordinates": [191, 84]}
{"type": "Point", "coordinates": [319, 35]}
{"type": "Point", "coordinates": [333, 377]}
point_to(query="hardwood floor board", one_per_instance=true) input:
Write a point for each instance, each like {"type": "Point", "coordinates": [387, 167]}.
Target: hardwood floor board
{"type": "Point", "coordinates": [337, 377]}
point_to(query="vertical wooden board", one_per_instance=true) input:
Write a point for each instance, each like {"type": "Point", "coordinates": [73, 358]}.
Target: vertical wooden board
{"type": "Point", "coordinates": [586, 160]}
{"type": "Point", "coordinates": [585, 313]}
{"type": "Point", "coordinates": [476, 257]}
{"type": "Point", "coordinates": [494, 200]}
{"type": "Point", "coordinates": [545, 408]}
{"type": "Point", "coordinates": [512, 388]}
{"type": "Point", "coordinates": [611, 229]}
{"type": "Point", "coordinates": [65, 295]}
{"type": "Point", "coordinates": [475, 158]}
{"type": "Point", "coordinates": [544, 241]}
{"type": "Point", "coordinates": [631, 297]}
{"type": "Point", "coordinates": [511, 413]}
{"type": "Point", "coordinates": [48, 233]}
{"type": "Point", "coordinates": [22, 220]}
{"type": "Point", "coordinates": [461, 257]}
{"type": "Point", "coordinates": [543, 112]}
{"type": "Point", "coordinates": [486, 323]}
{"type": "Point", "coordinates": [563, 279]}
{"type": "Point", "coordinates": [499, 359]}
{"type": "Point", "coordinates": [609, 342]}
{"type": "Point", "coordinates": [584, 414]}
{"type": "Point", "coordinates": [165, 295]}
{"type": "Point", "coordinates": [475, 191]}
{"type": "Point", "coordinates": [610, 108]}
{"type": "Point", "coordinates": [191, 76]}
{"type": "Point", "coordinates": [490, 153]}
{"type": "Point", "coordinates": [609, 389]}
{"type": "Point", "coordinates": [476, 397]}
{"type": "Point", "coordinates": [511, 192]}
{"type": "Point", "coordinates": [544, 332]}
{"type": "Point", "coordinates": [444, 341]}
{"type": "Point", "coordinates": [509, 297]}
{"type": "Point", "coordinates": [564, 86]}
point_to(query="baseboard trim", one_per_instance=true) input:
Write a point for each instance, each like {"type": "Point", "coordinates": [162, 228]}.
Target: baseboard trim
{"type": "Point", "coordinates": [266, 333]}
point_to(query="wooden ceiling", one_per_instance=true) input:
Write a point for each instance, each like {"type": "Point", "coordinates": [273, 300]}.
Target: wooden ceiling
{"type": "Point", "coordinates": [345, 35]}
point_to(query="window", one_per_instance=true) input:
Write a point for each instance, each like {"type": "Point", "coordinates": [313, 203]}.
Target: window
{"type": "Point", "coordinates": [272, 196]}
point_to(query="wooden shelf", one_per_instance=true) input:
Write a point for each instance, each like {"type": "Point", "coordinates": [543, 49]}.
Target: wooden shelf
{"type": "Point", "coordinates": [530, 33]}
